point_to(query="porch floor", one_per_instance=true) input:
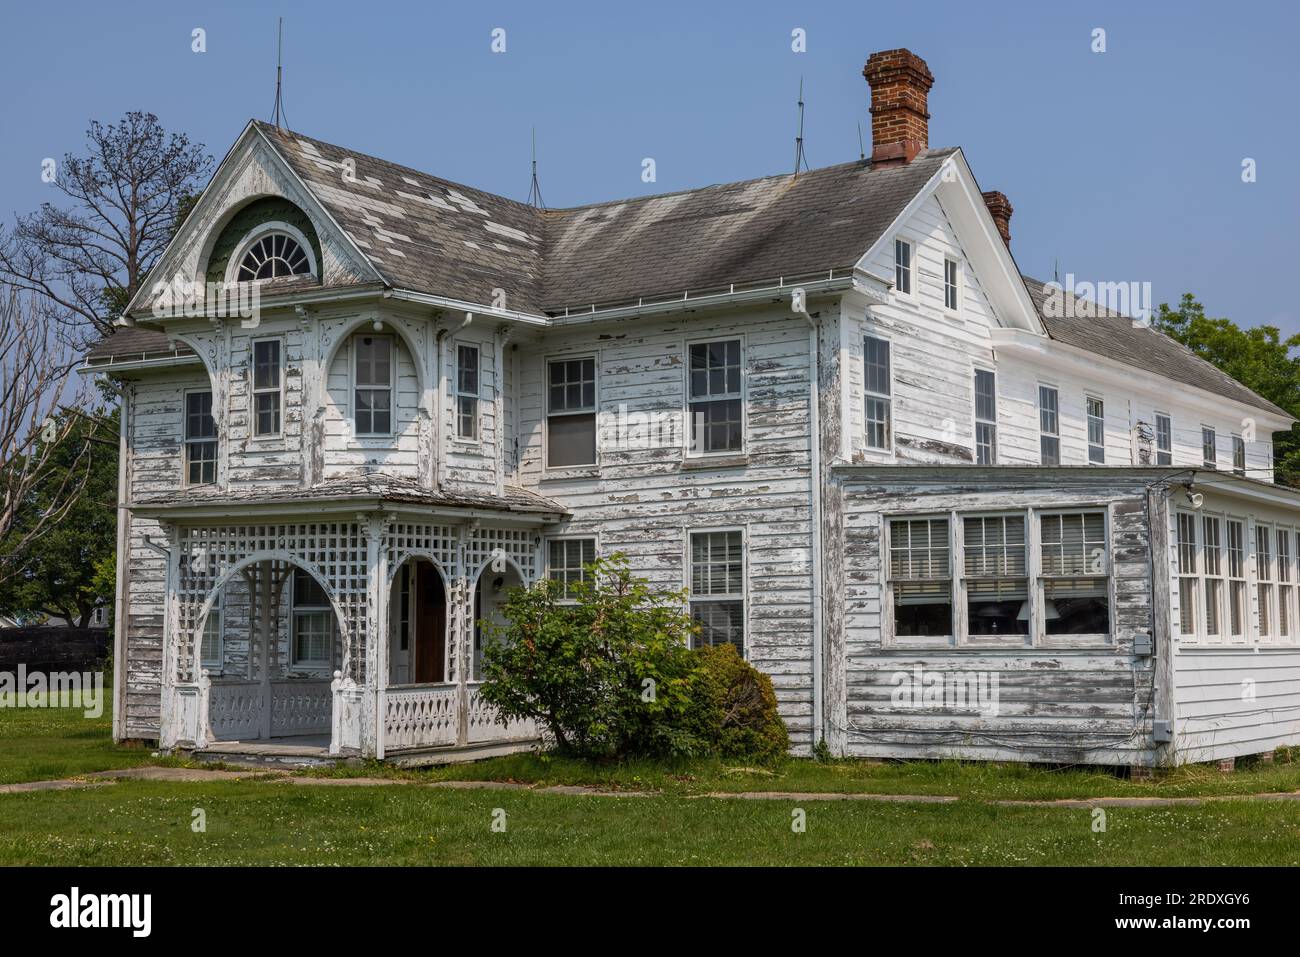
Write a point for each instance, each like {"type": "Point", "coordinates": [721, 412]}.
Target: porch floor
{"type": "Point", "coordinates": [298, 750]}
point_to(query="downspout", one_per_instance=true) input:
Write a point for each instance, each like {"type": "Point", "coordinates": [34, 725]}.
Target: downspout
{"type": "Point", "coordinates": [815, 483]}
{"type": "Point", "coordinates": [120, 604]}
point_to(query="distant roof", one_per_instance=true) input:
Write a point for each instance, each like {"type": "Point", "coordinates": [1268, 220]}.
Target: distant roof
{"type": "Point", "coordinates": [132, 341]}
{"type": "Point", "coordinates": [1114, 336]}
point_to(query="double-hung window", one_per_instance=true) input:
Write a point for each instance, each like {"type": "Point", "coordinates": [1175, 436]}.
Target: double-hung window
{"type": "Point", "coordinates": [200, 439]}
{"type": "Point", "coordinates": [567, 560]}
{"type": "Point", "coordinates": [878, 379]}
{"type": "Point", "coordinates": [920, 577]}
{"type": "Point", "coordinates": [467, 392]}
{"type": "Point", "coordinates": [1096, 431]}
{"type": "Point", "coordinates": [1264, 581]}
{"type": "Point", "coordinates": [1238, 455]}
{"type": "Point", "coordinates": [1237, 603]}
{"type": "Point", "coordinates": [313, 624]}
{"type": "Point", "coordinates": [903, 266]}
{"type": "Point", "coordinates": [950, 287]}
{"type": "Point", "coordinates": [1285, 586]}
{"type": "Point", "coordinates": [1209, 448]}
{"type": "Point", "coordinates": [571, 412]}
{"type": "Point", "coordinates": [1189, 582]}
{"type": "Point", "coordinates": [1212, 564]}
{"type": "Point", "coordinates": [373, 385]}
{"type": "Point", "coordinates": [717, 406]}
{"type": "Point", "coordinates": [1049, 425]}
{"type": "Point", "coordinates": [1164, 440]}
{"type": "Point", "coordinates": [717, 592]}
{"type": "Point", "coordinates": [996, 575]}
{"type": "Point", "coordinates": [1075, 573]}
{"type": "Point", "coordinates": [986, 418]}
{"type": "Point", "coordinates": [267, 383]}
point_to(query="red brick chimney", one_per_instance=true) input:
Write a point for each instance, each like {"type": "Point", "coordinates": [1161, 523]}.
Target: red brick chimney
{"type": "Point", "coordinates": [1000, 208]}
{"type": "Point", "coordinates": [900, 124]}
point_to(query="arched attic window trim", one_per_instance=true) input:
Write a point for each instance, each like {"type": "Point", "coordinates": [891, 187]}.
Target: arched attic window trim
{"type": "Point", "coordinates": [272, 250]}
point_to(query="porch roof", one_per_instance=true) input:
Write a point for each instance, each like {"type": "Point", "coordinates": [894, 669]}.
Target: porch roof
{"type": "Point", "coordinates": [346, 494]}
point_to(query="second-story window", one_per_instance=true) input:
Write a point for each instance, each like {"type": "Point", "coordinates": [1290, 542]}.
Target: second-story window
{"type": "Point", "coordinates": [986, 417]}
{"type": "Point", "coordinates": [467, 392]}
{"type": "Point", "coordinates": [716, 400]}
{"type": "Point", "coordinates": [571, 412]}
{"type": "Point", "coordinates": [1209, 448]}
{"type": "Point", "coordinates": [1049, 425]}
{"type": "Point", "coordinates": [200, 439]}
{"type": "Point", "coordinates": [1164, 440]}
{"type": "Point", "coordinates": [903, 266]}
{"type": "Point", "coordinates": [878, 381]}
{"type": "Point", "coordinates": [267, 380]}
{"type": "Point", "coordinates": [373, 395]}
{"type": "Point", "coordinates": [1096, 431]}
{"type": "Point", "coordinates": [1238, 455]}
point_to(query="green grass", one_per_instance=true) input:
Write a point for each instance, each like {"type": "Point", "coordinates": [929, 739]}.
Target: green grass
{"type": "Point", "coordinates": [260, 822]}
{"type": "Point", "coordinates": [978, 780]}
{"type": "Point", "coordinates": [38, 744]}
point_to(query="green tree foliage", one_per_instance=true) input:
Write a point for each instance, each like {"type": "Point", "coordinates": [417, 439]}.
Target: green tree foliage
{"type": "Point", "coordinates": [610, 673]}
{"type": "Point", "coordinates": [60, 573]}
{"type": "Point", "coordinates": [1259, 358]}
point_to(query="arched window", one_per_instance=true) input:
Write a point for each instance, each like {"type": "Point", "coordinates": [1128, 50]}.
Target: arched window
{"type": "Point", "coordinates": [273, 256]}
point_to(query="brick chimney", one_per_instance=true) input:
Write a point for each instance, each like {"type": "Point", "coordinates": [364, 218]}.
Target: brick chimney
{"type": "Point", "coordinates": [1000, 208]}
{"type": "Point", "coordinates": [900, 124]}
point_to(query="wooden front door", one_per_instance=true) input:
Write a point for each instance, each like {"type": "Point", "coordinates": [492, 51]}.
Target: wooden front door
{"type": "Point", "coordinates": [430, 625]}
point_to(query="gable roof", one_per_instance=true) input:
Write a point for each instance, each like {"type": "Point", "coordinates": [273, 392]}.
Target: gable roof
{"type": "Point", "coordinates": [430, 235]}
{"type": "Point", "coordinates": [1118, 337]}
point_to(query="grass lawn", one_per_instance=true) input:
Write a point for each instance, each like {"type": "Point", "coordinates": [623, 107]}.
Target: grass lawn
{"type": "Point", "coordinates": [273, 821]}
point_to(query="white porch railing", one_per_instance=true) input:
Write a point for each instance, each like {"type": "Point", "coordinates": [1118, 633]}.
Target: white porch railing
{"type": "Point", "coordinates": [485, 725]}
{"type": "Point", "coordinates": [300, 707]}
{"type": "Point", "coordinates": [424, 716]}
{"type": "Point", "coordinates": [235, 710]}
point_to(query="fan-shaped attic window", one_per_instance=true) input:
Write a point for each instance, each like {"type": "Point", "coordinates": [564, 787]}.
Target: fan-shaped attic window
{"type": "Point", "coordinates": [274, 256]}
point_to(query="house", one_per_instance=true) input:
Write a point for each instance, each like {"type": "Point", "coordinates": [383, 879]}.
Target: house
{"type": "Point", "coordinates": [950, 510]}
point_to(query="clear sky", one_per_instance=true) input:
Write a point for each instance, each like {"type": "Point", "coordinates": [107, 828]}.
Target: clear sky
{"type": "Point", "coordinates": [1123, 165]}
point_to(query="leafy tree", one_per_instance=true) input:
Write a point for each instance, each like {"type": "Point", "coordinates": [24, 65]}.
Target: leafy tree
{"type": "Point", "coordinates": [87, 257]}
{"type": "Point", "coordinates": [1258, 357]}
{"type": "Point", "coordinates": [59, 572]}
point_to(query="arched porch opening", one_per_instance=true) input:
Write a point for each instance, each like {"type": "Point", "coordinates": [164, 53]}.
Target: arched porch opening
{"type": "Point", "coordinates": [419, 635]}
{"type": "Point", "coordinates": [492, 587]}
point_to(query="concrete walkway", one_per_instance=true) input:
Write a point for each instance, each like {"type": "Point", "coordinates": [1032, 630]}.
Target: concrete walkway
{"type": "Point", "coordinates": [198, 775]}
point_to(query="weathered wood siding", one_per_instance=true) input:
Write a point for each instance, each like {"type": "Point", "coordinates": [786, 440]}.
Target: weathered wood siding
{"type": "Point", "coordinates": [1057, 702]}
{"type": "Point", "coordinates": [644, 496]}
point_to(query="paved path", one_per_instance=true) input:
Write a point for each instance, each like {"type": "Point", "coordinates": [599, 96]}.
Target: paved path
{"type": "Point", "coordinates": [102, 778]}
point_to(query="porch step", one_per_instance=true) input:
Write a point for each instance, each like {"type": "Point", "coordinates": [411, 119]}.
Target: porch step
{"type": "Point", "coordinates": [285, 753]}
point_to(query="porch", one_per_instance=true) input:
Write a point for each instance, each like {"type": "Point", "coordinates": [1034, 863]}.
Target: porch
{"type": "Point", "coordinates": [352, 635]}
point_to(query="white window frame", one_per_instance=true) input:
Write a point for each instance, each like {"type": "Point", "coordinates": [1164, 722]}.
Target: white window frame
{"type": "Point", "coordinates": [1088, 418]}
{"type": "Point", "coordinates": [1213, 573]}
{"type": "Point", "coordinates": [1284, 575]}
{"type": "Point", "coordinates": [1190, 550]}
{"type": "Point", "coordinates": [1209, 432]}
{"type": "Point", "coordinates": [325, 665]}
{"type": "Point", "coordinates": [547, 414]}
{"type": "Point", "coordinates": [254, 391]}
{"type": "Point", "coordinates": [908, 271]}
{"type": "Point", "coordinates": [742, 396]}
{"type": "Point", "coordinates": [255, 234]}
{"type": "Point", "coordinates": [1238, 454]}
{"type": "Point", "coordinates": [1056, 415]}
{"type": "Point", "coordinates": [887, 614]}
{"type": "Point", "coordinates": [214, 664]}
{"type": "Point", "coordinates": [1038, 630]}
{"type": "Point", "coordinates": [187, 442]}
{"type": "Point", "coordinates": [869, 396]}
{"type": "Point", "coordinates": [742, 596]}
{"type": "Point", "coordinates": [1265, 578]}
{"type": "Point", "coordinates": [955, 285]}
{"type": "Point", "coordinates": [961, 589]}
{"type": "Point", "coordinates": [1168, 433]}
{"type": "Point", "coordinates": [1238, 582]}
{"type": "Point", "coordinates": [582, 575]}
{"type": "Point", "coordinates": [459, 395]}
{"type": "Point", "coordinates": [991, 423]}
{"type": "Point", "coordinates": [353, 350]}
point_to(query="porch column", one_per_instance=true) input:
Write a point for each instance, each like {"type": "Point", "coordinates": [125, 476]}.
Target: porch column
{"type": "Point", "coordinates": [380, 655]}
{"type": "Point", "coordinates": [264, 631]}
{"type": "Point", "coordinates": [461, 606]}
{"type": "Point", "coordinates": [376, 632]}
{"type": "Point", "coordinates": [168, 732]}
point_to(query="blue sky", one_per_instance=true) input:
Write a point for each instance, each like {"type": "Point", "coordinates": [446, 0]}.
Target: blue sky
{"type": "Point", "coordinates": [1123, 165]}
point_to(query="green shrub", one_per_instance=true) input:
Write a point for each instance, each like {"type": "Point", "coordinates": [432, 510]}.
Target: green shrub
{"type": "Point", "coordinates": [611, 673]}
{"type": "Point", "coordinates": [735, 707]}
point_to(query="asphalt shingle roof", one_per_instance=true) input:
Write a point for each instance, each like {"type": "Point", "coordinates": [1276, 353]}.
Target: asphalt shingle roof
{"type": "Point", "coordinates": [1141, 346]}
